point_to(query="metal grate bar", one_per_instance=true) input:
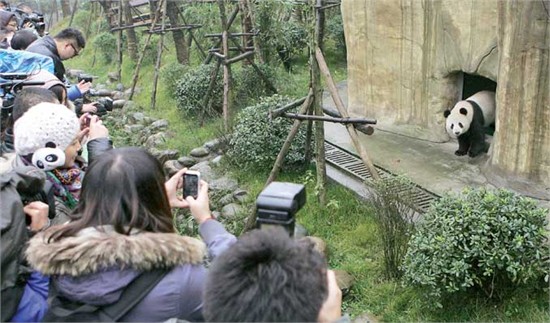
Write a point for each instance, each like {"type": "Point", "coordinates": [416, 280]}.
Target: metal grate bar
{"type": "Point", "coordinates": [352, 164]}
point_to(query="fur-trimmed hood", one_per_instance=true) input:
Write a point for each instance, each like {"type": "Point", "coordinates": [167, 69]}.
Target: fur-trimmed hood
{"type": "Point", "coordinates": [94, 250]}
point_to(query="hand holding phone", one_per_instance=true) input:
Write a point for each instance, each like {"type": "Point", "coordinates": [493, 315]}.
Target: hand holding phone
{"type": "Point", "coordinates": [191, 180]}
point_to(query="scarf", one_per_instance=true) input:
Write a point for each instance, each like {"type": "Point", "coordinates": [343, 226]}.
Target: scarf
{"type": "Point", "coordinates": [67, 183]}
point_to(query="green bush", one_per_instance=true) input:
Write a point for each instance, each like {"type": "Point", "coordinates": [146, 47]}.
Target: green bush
{"type": "Point", "coordinates": [171, 74]}
{"type": "Point", "coordinates": [256, 140]}
{"type": "Point", "coordinates": [106, 45]}
{"type": "Point", "coordinates": [250, 86]}
{"type": "Point", "coordinates": [492, 241]}
{"type": "Point", "coordinates": [192, 88]}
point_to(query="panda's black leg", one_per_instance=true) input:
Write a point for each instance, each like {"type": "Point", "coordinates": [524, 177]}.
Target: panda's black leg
{"type": "Point", "coordinates": [463, 145]}
{"type": "Point", "coordinates": [478, 146]}
{"type": "Point", "coordinates": [478, 142]}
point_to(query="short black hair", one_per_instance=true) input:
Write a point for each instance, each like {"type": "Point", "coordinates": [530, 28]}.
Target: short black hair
{"type": "Point", "coordinates": [23, 38]}
{"type": "Point", "coordinates": [29, 97]}
{"type": "Point", "coordinates": [266, 277]}
{"type": "Point", "coordinates": [72, 34]}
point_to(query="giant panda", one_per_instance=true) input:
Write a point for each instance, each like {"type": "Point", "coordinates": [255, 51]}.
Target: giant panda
{"type": "Point", "coordinates": [466, 120]}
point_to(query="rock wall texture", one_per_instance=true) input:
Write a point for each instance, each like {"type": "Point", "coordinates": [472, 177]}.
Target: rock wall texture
{"type": "Point", "coordinates": [405, 64]}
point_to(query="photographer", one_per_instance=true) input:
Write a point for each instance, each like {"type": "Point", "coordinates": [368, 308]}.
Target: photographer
{"type": "Point", "coordinates": [24, 292]}
{"type": "Point", "coordinates": [8, 23]}
{"type": "Point", "coordinates": [68, 43]}
{"type": "Point", "coordinates": [268, 277]}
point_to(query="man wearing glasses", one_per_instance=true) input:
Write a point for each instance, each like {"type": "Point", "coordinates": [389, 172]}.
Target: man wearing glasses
{"type": "Point", "coordinates": [68, 43]}
{"type": "Point", "coordinates": [65, 45]}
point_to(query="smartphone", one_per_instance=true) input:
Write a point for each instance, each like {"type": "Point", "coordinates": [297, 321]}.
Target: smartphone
{"type": "Point", "coordinates": [87, 120]}
{"type": "Point", "coordinates": [191, 180]}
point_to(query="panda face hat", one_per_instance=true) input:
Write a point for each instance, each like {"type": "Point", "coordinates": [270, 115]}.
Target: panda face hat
{"type": "Point", "coordinates": [45, 131]}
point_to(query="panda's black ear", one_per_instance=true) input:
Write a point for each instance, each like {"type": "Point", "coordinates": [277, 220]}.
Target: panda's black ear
{"type": "Point", "coordinates": [446, 113]}
{"type": "Point", "coordinates": [463, 111]}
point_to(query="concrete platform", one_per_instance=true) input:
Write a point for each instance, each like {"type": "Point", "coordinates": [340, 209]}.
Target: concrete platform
{"type": "Point", "coordinates": [431, 165]}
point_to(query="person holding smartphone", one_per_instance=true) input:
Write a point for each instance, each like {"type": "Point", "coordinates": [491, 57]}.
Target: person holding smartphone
{"type": "Point", "coordinates": [123, 228]}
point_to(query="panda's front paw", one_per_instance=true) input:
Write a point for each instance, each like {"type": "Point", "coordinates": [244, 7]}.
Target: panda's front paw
{"type": "Point", "coordinates": [460, 153]}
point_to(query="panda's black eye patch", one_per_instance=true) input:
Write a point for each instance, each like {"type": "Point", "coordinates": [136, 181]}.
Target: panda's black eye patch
{"type": "Point", "coordinates": [452, 126]}
{"type": "Point", "coordinates": [460, 124]}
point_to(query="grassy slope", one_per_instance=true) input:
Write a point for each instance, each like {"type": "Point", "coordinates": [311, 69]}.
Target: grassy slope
{"type": "Point", "coordinates": [345, 224]}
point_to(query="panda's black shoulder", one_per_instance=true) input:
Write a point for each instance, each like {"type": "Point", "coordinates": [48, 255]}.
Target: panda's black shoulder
{"type": "Point", "coordinates": [478, 112]}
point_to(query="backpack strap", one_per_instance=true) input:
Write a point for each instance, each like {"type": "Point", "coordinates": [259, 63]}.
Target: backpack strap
{"type": "Point", "coordinates": [130, 297]}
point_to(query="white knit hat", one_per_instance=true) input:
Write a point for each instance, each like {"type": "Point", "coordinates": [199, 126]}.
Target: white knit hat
{"type": "Point", "coordinates": [46, 130]}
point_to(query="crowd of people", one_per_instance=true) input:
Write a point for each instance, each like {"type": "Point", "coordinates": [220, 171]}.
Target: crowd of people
{"type": "Point", "coordinates": [88, 231]}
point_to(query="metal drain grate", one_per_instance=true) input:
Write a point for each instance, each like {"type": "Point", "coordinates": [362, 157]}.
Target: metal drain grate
{"type": "Point", "coordinates": [352, 164]}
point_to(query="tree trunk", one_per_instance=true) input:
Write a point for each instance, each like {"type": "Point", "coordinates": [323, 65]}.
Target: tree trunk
{"type": "Point", "coordinates": [106, 5]}
{"type": "Point", "coordinates": [246, 23]}
{"type": "Point", "coordinates": [66, 8]}
{"type": "Point", "coordinates": [226, 68]}
{"type": "Point", "coordinates": [182, 48]}
{"type": "Point", "coordinates": [73, 12]}
{"type": "Point", "coordinates": [257, 48]}
{"type": "Point", "coordinates": [131, 38]}
{"type": "Point", "coordinates": [317, 90]}
{"type": "Point", "coordinates": [160, 48]}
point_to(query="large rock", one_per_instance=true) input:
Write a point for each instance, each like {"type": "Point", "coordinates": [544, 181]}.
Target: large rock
{"type": "Point", "coordinates": [206, 171]}
{"type": "Point", "coordinates": [406, 64]}
{"type": "Point", "coordinates": [187, 161]}
{"type": "Point", "coordinates": [231, 211]}
{"type": "Point", "coordinates": [164, 155]}
{"type": "Point", "coordinates": [224, 184]}
{"type": "Point", "coordinates": [159, 125]}
{"type": "Point", "coordinates": [171, 167]}
{"type": "Point", "coordinates": [155, 140]}
{"type": "Point", "coordinates": [136, 117]}
{"type": "Point", "coordinates": [199, 152]}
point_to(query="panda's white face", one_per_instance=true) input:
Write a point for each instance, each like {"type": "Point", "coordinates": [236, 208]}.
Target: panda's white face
{"type": "Point", "coordinates": [457, 124]}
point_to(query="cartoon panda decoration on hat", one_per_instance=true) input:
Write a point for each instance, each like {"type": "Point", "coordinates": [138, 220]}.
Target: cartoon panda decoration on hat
{"type": "Point", "coordinates": [44, 132]}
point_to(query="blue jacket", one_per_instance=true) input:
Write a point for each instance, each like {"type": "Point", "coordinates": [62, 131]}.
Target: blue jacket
{"type": "Point", "coordinates": [95, 266]}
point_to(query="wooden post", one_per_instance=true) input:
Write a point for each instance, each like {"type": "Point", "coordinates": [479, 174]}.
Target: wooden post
{"type": "Point", "coordinates": [226, 67]}
{"type": "Point", "coordinates": [142, 55]}
{"type": "Point", "coordinates": [119, 43]}
{"type": "Point", "coordinates": [160, 48]}
{"type": "Point", "coordinates": [206, 99]}
{"type": "Point", "coordinates": [319, 129]}
{"type": "Point", "coordinates": [344, 113]}
{"type": "Point", "coordinates": [251, 221]}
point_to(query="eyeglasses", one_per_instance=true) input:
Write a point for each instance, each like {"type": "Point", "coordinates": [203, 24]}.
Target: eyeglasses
{"type": "Point", "coordinates": [76, 52]}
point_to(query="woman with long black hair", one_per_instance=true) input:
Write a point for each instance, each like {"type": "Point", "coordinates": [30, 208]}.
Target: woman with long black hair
{"type": "Point", "coordinates": [123, 227]}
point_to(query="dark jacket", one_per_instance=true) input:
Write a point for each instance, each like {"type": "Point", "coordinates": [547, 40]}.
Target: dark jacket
{"type": "Point", "coordinates": [95, 266]}
{"type": "Point", "coordinates": [20, 182]}
{"type": "Point", "coordinates": [46, 46]}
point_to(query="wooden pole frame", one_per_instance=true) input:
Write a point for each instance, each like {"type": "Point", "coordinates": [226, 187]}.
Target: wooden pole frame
{"type": "Point", "coordinates": [160, 48]}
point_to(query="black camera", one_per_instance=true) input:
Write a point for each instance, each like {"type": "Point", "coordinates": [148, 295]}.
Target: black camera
{"type": "Point", "coordinates": [35, 19]}
{"type": "Point", "coordinates": [103, 105]}
{"type": "Point", "coordinates": [85, 78]}
{"type": "Point", "coordinates": [277, 205]}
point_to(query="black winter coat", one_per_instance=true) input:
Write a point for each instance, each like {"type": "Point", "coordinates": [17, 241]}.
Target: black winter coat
{"type": "Point", "coordinates": [46, 46]}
